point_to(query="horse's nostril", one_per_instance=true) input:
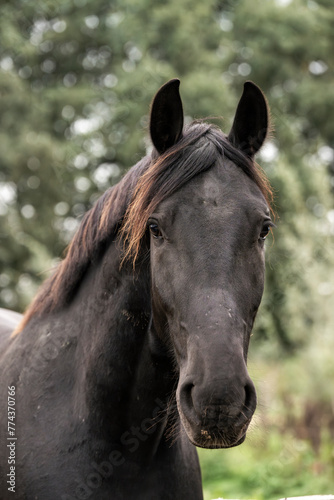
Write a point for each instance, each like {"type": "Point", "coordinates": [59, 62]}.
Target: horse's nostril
{"type": "Point", "coordinates": [186, 402]}
{"type": "Point", "coordinates": [186, 394]}
{"type": "Point", "coordinates": [250, 399]}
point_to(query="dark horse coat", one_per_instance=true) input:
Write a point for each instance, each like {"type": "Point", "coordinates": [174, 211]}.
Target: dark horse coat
{"type": "Point", "coordinates": [134, 352]}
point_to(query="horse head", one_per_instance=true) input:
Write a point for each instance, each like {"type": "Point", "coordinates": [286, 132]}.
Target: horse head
{"type": "Point", "coordinates": [207, 261]}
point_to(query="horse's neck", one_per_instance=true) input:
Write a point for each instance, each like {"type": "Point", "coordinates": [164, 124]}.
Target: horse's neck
{"type": "Point", "coordinates": [122, 380]}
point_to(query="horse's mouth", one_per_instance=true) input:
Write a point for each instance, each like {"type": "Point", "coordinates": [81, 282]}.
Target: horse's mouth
{"type": "Point", "coordinates": [217, 439]}
{"type": "Point", "coordinates": [221, 422]}
{"type": "Point", "coordinates": [215, 436]}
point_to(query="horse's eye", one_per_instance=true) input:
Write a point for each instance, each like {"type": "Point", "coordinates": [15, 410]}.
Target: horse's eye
{"type": "Point", "coordinates": [155, 231]}
{"type": "Point", "coordinates": [265, 231]}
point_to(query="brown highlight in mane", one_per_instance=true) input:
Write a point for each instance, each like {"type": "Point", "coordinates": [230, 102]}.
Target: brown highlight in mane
{"type": "Point", "coordinates": [124, 209]}
{"type": "Point", "coordinates": [98, 225]}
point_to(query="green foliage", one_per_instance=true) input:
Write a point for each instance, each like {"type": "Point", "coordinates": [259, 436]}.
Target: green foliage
{"type": "Point", "coordinates": [276, 468]}
{"type": "Point", "coordinates": [273, 463]}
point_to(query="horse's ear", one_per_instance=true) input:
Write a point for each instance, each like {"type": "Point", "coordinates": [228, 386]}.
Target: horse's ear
{"type": "Point", "coordinates": [166, 122]}
{"type": "Point", "coordinates": [250, 124]}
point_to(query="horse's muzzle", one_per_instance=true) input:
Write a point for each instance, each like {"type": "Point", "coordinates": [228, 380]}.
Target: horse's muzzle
{"type": "Point", "coordinates": [213, 421]}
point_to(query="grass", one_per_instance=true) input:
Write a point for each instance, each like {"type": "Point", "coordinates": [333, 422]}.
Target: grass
{"type": "Point", "coordinates": [268, 466]}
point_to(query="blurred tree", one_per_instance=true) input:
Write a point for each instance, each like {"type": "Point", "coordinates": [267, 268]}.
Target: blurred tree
{"type": "Point", "coordinates": [76, 80]}
{"type": "Point", "coordinates": [288, 49]}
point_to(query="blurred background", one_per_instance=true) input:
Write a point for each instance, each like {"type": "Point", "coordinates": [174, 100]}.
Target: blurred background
{"type": "Point", "coordinates": [76, 81]}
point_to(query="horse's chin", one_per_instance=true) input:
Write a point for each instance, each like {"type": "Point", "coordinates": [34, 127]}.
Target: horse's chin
{"type": "Point", "coordinates": [214, 437]}
{"type": "Point", "coordinates": [214, 443]}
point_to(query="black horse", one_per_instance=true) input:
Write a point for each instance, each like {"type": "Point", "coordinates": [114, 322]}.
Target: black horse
{"type": "Point", "coordinates": [134, 352]}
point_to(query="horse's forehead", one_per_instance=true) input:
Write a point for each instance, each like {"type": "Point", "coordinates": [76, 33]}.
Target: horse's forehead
{"type": "Point", "coordinates": [226, 178]}
{"type": "Point", "coordinates": [223, 186]}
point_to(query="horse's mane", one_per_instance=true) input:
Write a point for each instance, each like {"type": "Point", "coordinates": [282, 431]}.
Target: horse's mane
{"type": "Point", "coordinates": [99, 225]}
{"type": "Point", "coordinates": [124, 209]}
